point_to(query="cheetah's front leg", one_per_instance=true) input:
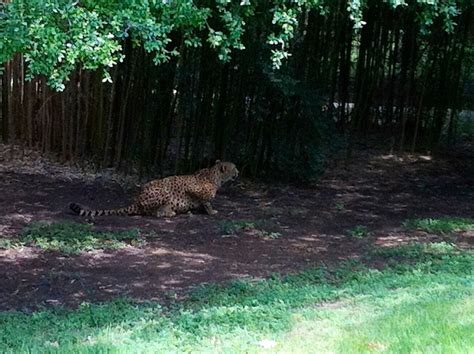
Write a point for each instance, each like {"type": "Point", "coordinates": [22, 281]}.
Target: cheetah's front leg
{"type": "Point", "coordinates": [203, 194]}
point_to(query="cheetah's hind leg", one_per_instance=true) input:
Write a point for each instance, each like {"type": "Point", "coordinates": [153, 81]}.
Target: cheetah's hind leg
{"type": "Point", "coordinates": [166, 211]}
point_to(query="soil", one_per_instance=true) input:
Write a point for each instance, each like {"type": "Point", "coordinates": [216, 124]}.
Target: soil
{"type": "Point", "coordinates": [288, 228]}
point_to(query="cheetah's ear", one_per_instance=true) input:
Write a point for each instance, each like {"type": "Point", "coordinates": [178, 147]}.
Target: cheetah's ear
{"type": "Point", "coordinates": [218, 161]}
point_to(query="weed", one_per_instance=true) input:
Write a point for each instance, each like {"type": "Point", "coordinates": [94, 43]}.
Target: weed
{"type": "Point", "coordinates": [359, 231]}
{"type": "Point", "coordinates": [443, 225]}
{"type": "Point", "coordinates": [256, 228]}
{"type": "Point", "coordinates": [229, 227]}
{"type": "Point", "coordinates": [340, 206]}
{"type": "Point", "coordinates": [6, 243]}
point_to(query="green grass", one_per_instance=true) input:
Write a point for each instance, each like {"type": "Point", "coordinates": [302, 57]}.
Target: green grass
{"type": "Point", "coordinates": [443, 225]}
{"type": "Point", "coordinates": [416, 251]}
{"type": "Point", "coordinates": [6, 243]}
{"type": "Point", "coordinates": [359, 231]}
{"type": "Point", "coordinates": [254, 227]}
{"type": "Point", "coordinates": [70, 237]}
{"type": "Point", "coordinates": [422, 307]}
{"type": "Point", "coordinates": [231, 226]}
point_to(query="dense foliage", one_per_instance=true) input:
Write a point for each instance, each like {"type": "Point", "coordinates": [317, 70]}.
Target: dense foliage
{"type": "Point", "coordinates": [168, 84]}
{"type": "Point", "coordinates": [57, 37]}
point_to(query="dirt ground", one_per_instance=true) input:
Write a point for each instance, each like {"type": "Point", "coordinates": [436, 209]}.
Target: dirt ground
{"type": "Point", "coordinates": [376, 191]}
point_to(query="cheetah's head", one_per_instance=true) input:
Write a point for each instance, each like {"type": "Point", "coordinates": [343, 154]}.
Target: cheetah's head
{"type": "Point", "coordinates": [226, 171]}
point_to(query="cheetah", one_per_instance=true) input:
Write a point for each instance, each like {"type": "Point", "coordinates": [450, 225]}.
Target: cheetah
{"type": "Point", "coordinates": [175, 194]}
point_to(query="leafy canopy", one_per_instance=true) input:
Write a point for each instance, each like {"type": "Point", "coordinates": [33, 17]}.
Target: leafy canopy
{"type": "Point", "coordinates": [58, 36]}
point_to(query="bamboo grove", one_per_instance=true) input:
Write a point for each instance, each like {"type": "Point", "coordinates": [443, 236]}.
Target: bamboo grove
{"type": "Point", "coordinates": [275, 86]}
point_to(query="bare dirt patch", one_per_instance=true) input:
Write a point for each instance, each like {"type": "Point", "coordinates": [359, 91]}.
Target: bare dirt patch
{"type": "Point", "coordinates": [309, 224]}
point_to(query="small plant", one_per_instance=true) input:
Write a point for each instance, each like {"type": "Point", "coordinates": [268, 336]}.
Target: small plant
{"type": "Point", "coordinates": [229, 227]}
{"type": "Point", "coordinates": [360, 231]}
{"type": "Point", "coordinates": [69, 237]}
{"type": "Point", "coordinates": [256, 228]}
{"type": "Point", "coordinates": [443, 225]}
{"type": "Point", "coordinates": [340, 206]}
{"type": "Point", "coordinates": [6, 243]}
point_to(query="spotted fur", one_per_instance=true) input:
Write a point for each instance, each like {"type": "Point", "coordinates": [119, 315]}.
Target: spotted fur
{"type": "Point", "coordinates": [175, 194]}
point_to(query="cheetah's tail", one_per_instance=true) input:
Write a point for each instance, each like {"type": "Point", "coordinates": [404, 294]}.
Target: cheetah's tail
{"type": "Point", "coordinates": [76, 208]}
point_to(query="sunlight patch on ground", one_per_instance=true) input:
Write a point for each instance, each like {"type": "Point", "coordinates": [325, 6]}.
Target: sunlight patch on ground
{"type": "Point", "coordinates": [404, 158]}
{"type": "Point", "coordinates": [186, 255]}
{"type": "Point", "coordinates": [17, 217]}
{"type": "Point", "coordinates": [392, 240]}
{"type": "Point", "coordinates": [19, 255]}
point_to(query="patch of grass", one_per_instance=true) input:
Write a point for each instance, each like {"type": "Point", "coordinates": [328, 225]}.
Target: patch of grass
{"type": "Point", "coordinates": [443, 225]}
{"type": "Point", "coordinates": [253, 227]}
{"type": "Point", "coordinates": [70, 237]}
{"type": "Point", "coordinates": [418, 251]}
{"type": "Point", "coordinates": [6, 243]}
{"type": "Point", "coordinates": [359, 231]}
{"type": "Point", "coordinates": [422, 307]}
{"type": "Point", "coordinates": [433, 254]}
{"type": "Point", "coordinates": [229, 227]}
{"type": "Point", "coordinates": [403, 321]}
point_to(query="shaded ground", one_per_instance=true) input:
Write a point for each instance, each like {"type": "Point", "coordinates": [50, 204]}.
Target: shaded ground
{"type": "Point", "coordinates": [377, 191]}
